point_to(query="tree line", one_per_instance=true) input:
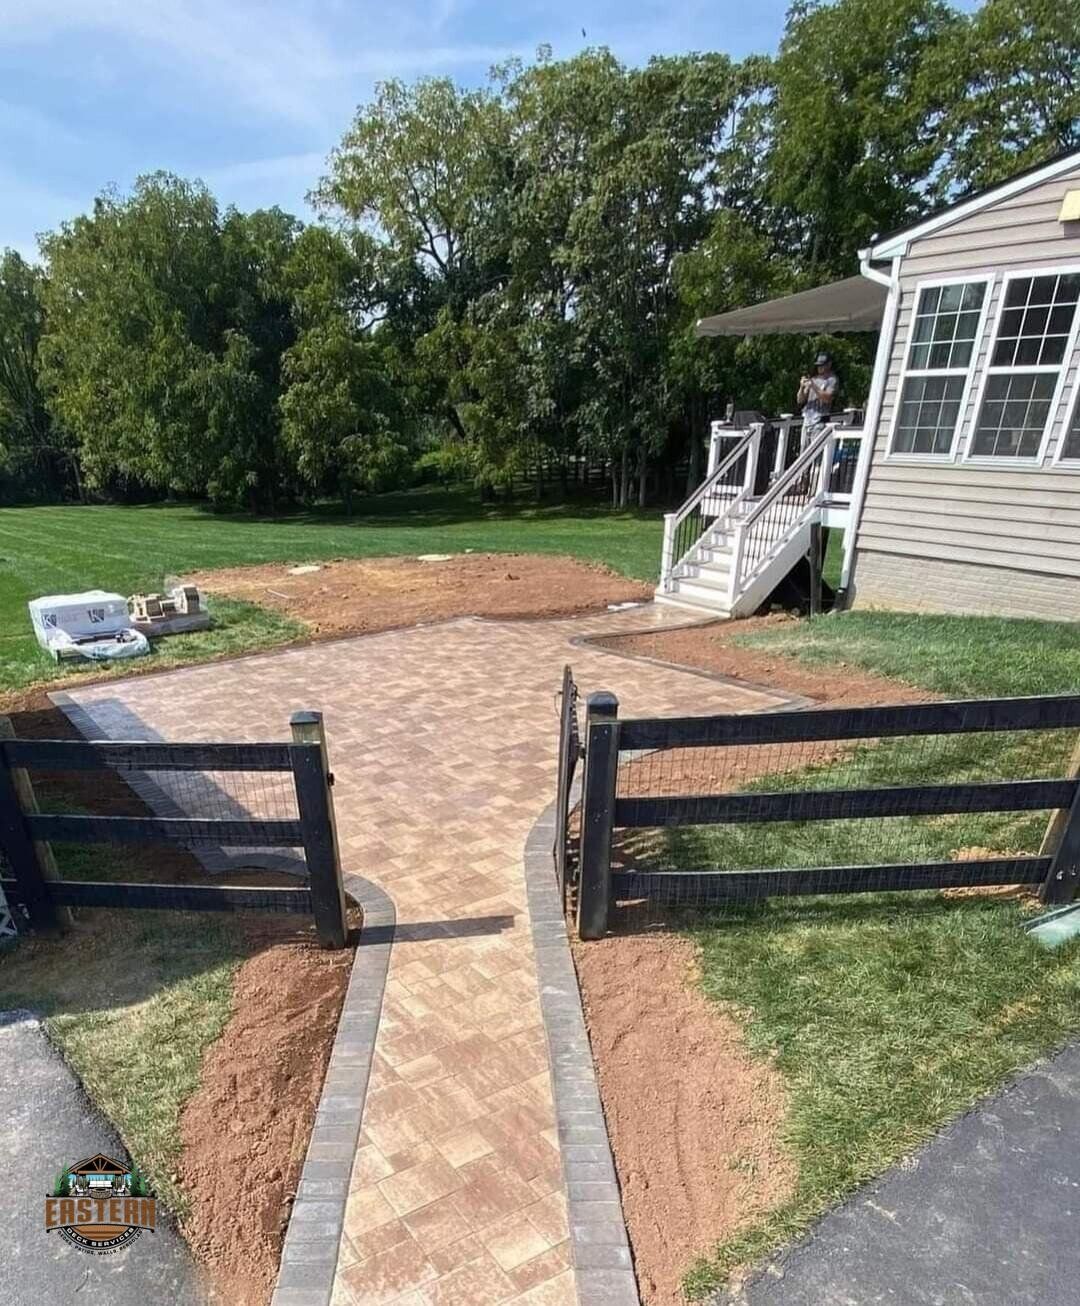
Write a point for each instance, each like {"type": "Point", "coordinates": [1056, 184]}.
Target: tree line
{"type": "Point", "coordinates": [503, 281]}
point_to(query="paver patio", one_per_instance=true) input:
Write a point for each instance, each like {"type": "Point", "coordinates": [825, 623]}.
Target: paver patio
{"type": "Point", "coordinates": [442, 741]}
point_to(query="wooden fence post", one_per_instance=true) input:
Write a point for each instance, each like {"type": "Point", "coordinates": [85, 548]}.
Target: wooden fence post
{"type": "Point", "coordinates": [598, 814]}
{"type": "Point", "coordinates": [313, 780]}
{"type": "Point", "coordinates": [1062, 843]}
{"type": "Point", "coordinates": [32, 863]}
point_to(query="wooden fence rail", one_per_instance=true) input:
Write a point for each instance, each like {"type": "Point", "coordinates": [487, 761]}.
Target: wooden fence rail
{"type": "Point", "coordinates": [25, 832]}
{"type": "Point", "coordinates": [1056, 869]}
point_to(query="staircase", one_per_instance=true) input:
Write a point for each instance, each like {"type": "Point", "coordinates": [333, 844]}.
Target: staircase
{"type": "Point", "coordinates": [741, 532]}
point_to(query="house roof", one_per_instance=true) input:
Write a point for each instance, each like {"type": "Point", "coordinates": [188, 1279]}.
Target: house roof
{"type": "Point", "coordinates": [854, 304]}
{"type": "Point", "coordinates": [896, 242]}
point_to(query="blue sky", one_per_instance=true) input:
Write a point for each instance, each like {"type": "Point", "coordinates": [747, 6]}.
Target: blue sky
{"type": "Point", "coordinates": [252, 96]}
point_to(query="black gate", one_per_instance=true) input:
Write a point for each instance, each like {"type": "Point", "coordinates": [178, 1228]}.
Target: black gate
{"type": "Point", "coordinates": [570, 753]}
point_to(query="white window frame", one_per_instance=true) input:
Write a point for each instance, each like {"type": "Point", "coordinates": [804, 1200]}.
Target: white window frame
{"type": "Point", "coordinates": [1062, 368]}
{"type": "Point", "coordinates": [1072, 412]}
{"type": "Point", "coordinates": [987, 281]}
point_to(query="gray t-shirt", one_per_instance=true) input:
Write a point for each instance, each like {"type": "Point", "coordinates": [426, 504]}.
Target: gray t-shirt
{"type": "Point", "coordinates": [822, 392]}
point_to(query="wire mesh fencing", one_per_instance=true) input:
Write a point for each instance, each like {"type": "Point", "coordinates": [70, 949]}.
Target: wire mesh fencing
{"type": "Point", "coordinates": [229, 805]}
{"type": "Point", "coordinates": [726, 811]}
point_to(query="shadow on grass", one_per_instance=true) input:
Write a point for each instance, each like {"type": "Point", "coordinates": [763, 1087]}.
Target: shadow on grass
{"type": "Point", "coordinates": [425, 506]}
{"type": "Point", "coordinates": [777, 915]}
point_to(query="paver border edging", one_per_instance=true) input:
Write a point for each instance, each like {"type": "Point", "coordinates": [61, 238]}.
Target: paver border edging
{"type": "Point", "coordinates": [596, 644]}
{"type": "Point", "coordinates": [316, 1223]}
{"type": "Point", "coordinates": [309, 1254]}
{"type": "Point", "coordinates": [603, 1266]}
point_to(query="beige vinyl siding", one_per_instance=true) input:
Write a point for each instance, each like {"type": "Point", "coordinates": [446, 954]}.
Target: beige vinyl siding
{"type": "Point", "coordinates": [1007, 516]}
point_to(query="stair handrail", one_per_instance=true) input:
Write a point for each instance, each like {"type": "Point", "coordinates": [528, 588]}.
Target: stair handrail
{"type": "Point", "coordinates": [740, 574]}
{"type": "Point", "coordinates": [711, 480]}
{"type": "Point", "coordinates": [673, 520]}
{"type": "Point", "coordinates": [785, 478]}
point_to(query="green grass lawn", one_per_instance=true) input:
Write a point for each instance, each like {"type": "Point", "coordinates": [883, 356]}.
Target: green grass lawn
{"type": "Point", "coordinates": [56, 550]}
{"type": "Point", "coordinates": [889, 1014]}
{"type": "Point", "coordinates": [133, 999]}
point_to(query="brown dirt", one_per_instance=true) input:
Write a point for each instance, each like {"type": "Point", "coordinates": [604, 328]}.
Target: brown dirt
{"type": "Point", "coordinates": [365, 595]}
{"type": "Point", "coordinates": [246, 1130]}
{"type": "Point", "coordinates": [693, 1118]}
{"type": "Point", "coordinates": [711, 648]}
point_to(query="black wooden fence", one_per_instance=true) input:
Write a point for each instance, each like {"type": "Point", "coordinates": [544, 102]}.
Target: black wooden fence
{"type": "Point", "coordinates": [1056, 870]}
{"type": "Point", "coordinates": [39, 899]}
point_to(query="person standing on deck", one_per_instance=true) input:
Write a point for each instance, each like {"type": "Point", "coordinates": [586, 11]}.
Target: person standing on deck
{"type": "Point", "coordinates": [815, 398]}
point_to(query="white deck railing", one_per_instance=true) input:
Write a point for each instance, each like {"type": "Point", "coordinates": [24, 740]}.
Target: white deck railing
{"type": "Point", "coordinates": [759, 529]}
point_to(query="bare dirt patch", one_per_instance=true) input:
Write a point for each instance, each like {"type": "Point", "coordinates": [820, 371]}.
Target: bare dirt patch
{"type": "Point", "coordinates": [693, 1118]}
{"type": "Point", "coordinates": [711, 647]}
{"type": "Point", "coordinates": [365, 595]}
{"type": "Point", "coordinates": [246, 1130]}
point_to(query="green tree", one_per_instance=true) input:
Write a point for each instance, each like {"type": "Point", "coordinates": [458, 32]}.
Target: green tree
{"type": "Point", "coordinates": [33, 452]}
{"type": "Point", "coordinates": [853, 136]}
{"type": "Point", "coordinates": [1012, 91]}
{"type": "Point", "coordinates": [165, 328]}
{"type": "Point", "coordinates": [341, 419]}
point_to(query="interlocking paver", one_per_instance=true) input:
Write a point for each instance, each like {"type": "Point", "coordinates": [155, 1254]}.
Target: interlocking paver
{"type": "Point", "coordinates": [442, 741]}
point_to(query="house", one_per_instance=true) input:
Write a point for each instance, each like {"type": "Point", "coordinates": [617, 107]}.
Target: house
{"type": "Point", "coordinates": [958, 487]}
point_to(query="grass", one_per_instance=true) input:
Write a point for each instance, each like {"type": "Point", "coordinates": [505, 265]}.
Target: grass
{"type": "Point", "coordinates": [132, 999]}
{"type": "Point", "coordinates": [56, 550]}
{"type": "Point", "coordinates": [956, 656]}
{"type": "Point", "coordinates": [888, 1014]}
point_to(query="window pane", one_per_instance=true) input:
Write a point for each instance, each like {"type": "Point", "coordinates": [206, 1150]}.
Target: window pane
{"type": "Point", "coordinates": [947, 319]}
{"type": "Point", "coordinates": [1017, 293]}
{"type": "Point", "coordinates": [1013, 415]}
{"type": "Point", "coordinates": [929, 407]}
{"type": "Point", "coordinates": [1053, 350]}
{"type": "Point", "coordinates": [973, 296]}
{"type": "Point", "coordinates": [1068, 290]}
{"type": "Point", "coordinates": [1042, 290]}
{"type": "Point", "coordinates": [1026, 353]}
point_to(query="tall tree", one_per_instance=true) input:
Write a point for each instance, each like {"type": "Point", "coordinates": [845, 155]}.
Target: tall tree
{"type": "Point", "coordinates": [853, 139]}
{"type": "Point", "coordinates": [37, 459]}
{"type": "Point", "coordinates": [165, 327]}
{"type": "Point", "coordinates": [1011, 70]}
{"type": "Point", "coordinates": [342, 419]}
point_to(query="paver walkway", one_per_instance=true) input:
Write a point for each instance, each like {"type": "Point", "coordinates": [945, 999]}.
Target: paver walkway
{"type": "Point", "coordinates": [442, 740]}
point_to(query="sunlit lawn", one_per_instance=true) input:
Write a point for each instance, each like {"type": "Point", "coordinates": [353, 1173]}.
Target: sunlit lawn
{"type": "Point", "coordinates": [56, 550]}
{"type": "Point", "coordinates": [889, 1014]}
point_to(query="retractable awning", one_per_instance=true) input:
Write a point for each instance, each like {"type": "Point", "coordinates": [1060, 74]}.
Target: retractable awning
{"type": "Point", "coordinates": [854, 304]}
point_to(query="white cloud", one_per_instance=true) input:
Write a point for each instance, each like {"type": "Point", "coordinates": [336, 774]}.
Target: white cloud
{"type": "Point", "coordinates": [284, 167]}
{"type": "Point", "coordinates": [294, 62]}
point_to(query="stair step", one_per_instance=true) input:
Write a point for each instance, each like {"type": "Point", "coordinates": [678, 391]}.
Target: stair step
{"type": "Point", "coordinates": [713, 579]}
{"type": "Point", "coordinates": [709, 596]}
{"type": "Point", "coordinates": [675, 599]}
